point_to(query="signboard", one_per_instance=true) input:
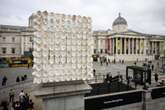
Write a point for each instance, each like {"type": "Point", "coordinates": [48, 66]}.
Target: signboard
{"type": "Point", "coordinates": [109, 101]}
{"type": "Point", "coordinates": [158, 93]}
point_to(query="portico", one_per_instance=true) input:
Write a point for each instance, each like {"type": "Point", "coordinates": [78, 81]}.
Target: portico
{"type": "Point", "coordinates": [121, 43]}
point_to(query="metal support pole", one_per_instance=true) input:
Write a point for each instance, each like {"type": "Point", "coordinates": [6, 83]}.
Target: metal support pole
{"type": "Point", "coordinates": [144, 100]}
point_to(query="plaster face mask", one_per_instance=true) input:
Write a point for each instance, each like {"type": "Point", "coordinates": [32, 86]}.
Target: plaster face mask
{"type": "Point", "coordinates": [62, 47]}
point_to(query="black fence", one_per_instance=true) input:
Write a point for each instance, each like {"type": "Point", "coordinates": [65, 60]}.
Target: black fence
{"type": "Point", "coordinates": [158, 92]}
{"type": "Point", "coordinates": [99, 102]}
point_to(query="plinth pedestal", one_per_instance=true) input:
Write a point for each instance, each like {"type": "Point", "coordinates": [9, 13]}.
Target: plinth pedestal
{"type": "Point", "coordinates": [63, 95]}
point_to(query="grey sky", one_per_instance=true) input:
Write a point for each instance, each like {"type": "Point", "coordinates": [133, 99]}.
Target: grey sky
{"type": "Point", "coordinates": [146, 16]}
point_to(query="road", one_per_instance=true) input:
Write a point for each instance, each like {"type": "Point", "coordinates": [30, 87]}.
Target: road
{"type": "Point", "coordinates": [28, 86]}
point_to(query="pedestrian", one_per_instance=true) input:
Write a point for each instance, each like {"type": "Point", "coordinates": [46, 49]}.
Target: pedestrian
{"type": "Point", "coordinates": [135, 63]}
{"type": "Point", "coordinates": [122, 61]}
{"type": "Point", "coordinates": [110, 78]}
{"type": "Point", "coordinates": [21, 94]}
{"type": "Point", "coordinates": [107, 78]}
{"type": "Point", "coordinates": [120, 78]}
{"type": "Point", "coordinates": [107, 63]}
{"type": "Point", "coordinates": [26, 101]}
{"type": "Point", "coordinates": [5, 105]}
{"type": "Point", "coordinates": [94, 72]}
{"type": "Point", "coordinates": [114, 61]}
{"type": "Point", "coordinates": [101, 62]}
{"type": "Point", "coordinates": [4, 80]}
{"type": "Point", "coordinates": [31, 105]}
{"type": "Point", "coordinates": [152, 67]}
{"type": "Point", "coordinates": [11, 95]}
{"type": "Point", "coordinates": [128, 81]}
{"type": "Point", "coordinates": [28, 65]}
{"type": "Point", "coordinates": [22, 78]}
{"type": "Point", "coordinates": [25, 77]}
{"type": "Point", "coordinates": [17, 79]}
{"type": "Point", "coordinates": [156, 77]}
{"type": "Point", "coordinates": [17, 105]}
{"type": "Point", "coordinates": [23, 103]}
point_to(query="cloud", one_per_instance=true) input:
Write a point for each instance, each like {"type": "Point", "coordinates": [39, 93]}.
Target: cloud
{"type": "Point", "coordinates": [142, 15]}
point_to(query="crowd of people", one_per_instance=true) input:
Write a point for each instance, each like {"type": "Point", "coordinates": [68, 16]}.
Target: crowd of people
{"type": "Point", "coordinates": [18, 79]}
{"type": "Point", "coordinates": [23, 103]}
{"type": "Point", "coordinates": [107, 61]}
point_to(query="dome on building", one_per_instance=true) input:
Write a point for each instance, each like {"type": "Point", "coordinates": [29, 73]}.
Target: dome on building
{"type": "Point", "coordinates": [119, 21]}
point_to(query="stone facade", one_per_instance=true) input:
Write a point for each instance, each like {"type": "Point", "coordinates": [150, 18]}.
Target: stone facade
{"type": "Point", "coordinates": [15, 40]}
{"type": "Point", "coordinates": [121, 43]}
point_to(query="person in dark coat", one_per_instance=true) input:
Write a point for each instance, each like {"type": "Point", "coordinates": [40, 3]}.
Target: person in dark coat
{"type": "Point", "coordinates": [17, 79]}
{"type": "Point", "coordinates": [11, 95]}
{"type": "Point", "coordinates": [156, 77]}
{"type": "Point", "coordinates": [4, 105]}
{"type": "Point", "coordinates": [31, 105]}
{"type": "Point", "coordinates": [152, 67]}
{"type": "Point", "coordinates": [94, 72]}
{"type": "Point", "coordinates": [4, 80]}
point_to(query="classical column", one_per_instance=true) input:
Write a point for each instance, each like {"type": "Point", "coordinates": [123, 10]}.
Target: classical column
{"type": "Point", "coordinates": [155, 47]}
{"type": "Point", "coordinates": [116, 40]}
{"type": "Point", "coordinates": [152, 47]}
{"type": "Point", "coordinates": [111, 46]}
{"type": "Point", "coordinates": [136, 45]}
{"type": "Point", "coordinates": [125, 43]}
{"type": "Point", "coordinates": [106, 44]}
{"type": "Point", "coordinates": [139, 46]}
{"type": "Point", "coordinates": [132, 45]}
{"type": "Point", "coordinates": [128, 45]}
{"type": "Point", "coordinates": [22, 45]}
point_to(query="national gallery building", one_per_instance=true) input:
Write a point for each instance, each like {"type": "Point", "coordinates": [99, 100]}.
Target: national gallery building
{"type": "Point", "coordinates": [121, 43]}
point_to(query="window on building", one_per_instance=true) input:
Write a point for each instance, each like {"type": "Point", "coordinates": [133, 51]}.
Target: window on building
{"type": "Point", "coordinates": [126, 51]}
{"type": "Point", "coordinates": [142, 51]}
{"type": "Point", "coordinates": [30, 39]}
{"type": "Point", "coordinates": [147, 52]}
{"type": "Point", "coordinates": [51, 21]}
{"type": "Point", "coordinates": [4, 38]}
{"type": "Point", "coordinates": [118, 51]}
{"type": "Point", "coordinates": [3, 50]}
{"type": "Point", "coordinates": [130, 50]}
{"type": "Point", "coordinates": [101, 51]}
{"type": "Point", "coordinates": [30, 49]}
{"type": "Point", "coordinates": [13, 50]}
{"type": "Point", "coordinates": [13, 39]}
{"type": "Point", "coordinates": [94, 50]}
{"type": "Point", "coordinates": [105, 50]}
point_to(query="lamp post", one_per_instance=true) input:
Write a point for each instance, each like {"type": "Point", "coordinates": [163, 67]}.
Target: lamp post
{"type": "Point", "coordinates": [145, 87]}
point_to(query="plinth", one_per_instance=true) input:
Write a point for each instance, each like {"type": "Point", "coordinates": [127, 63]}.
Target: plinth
{"type": "Point", "coordinates": [62, 95]}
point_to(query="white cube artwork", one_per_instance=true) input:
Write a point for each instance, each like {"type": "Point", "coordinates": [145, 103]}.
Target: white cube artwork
{"type": "Point", "coordinates": [63, 47]}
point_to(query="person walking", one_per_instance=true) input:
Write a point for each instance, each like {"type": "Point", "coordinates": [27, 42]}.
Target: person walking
{"type": "Point", "coordinates": [152, 67]}
{"type": "Point", "coordinates": [4, 80]}
{"type": "Point", "coordinates": [31, 105]}
{"type": "Point", "coordinates": [11, 95]}
{"type": "Point", "coordinates": [156, 77]}
{"type": "Point", "coordinates": [21, 96]}
{"type": "Point", "coordinates": [17, 79]}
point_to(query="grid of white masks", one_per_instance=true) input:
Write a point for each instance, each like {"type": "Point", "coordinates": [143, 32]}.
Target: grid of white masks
{"type": "Point", "coordinates": [63, 47]}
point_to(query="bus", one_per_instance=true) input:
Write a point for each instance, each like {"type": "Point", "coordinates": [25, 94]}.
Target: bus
{"type": "Point", "coordinates": [20, 62]}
